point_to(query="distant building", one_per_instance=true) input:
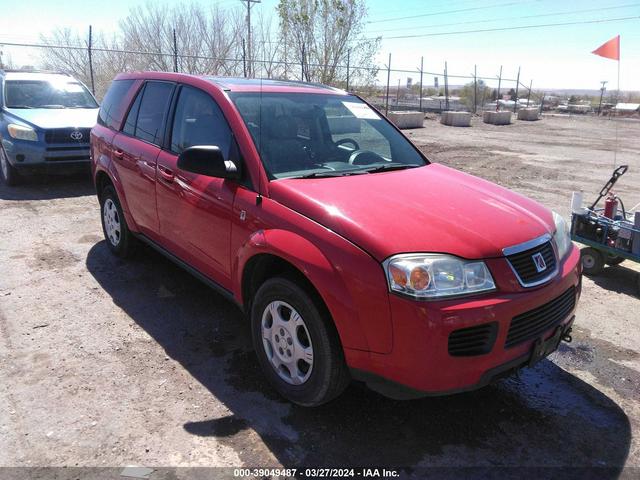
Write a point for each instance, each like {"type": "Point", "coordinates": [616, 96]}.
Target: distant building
{"type": "Point", "coordinates": [626, 109]}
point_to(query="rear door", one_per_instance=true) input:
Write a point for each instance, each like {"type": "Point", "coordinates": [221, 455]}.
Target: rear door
{"type": "Point", "coordinates": [194, 210]}
{"type": "Point", "coordinates": [136, 149]}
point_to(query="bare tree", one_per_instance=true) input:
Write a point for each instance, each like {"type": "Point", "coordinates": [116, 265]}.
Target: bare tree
{"type": "Point", "coordinates": [320, 34]}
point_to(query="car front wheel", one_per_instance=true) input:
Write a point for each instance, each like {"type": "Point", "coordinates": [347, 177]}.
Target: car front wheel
{"type": "Point", "coordinates": [9, 174]}
{"type": "Point", "coordinates": [296, 344]}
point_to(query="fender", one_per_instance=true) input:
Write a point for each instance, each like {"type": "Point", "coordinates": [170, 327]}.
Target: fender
{"type": "Point", "coordinates": [362, 324]}
{"type": "Point", "coordinates": [102, 163]}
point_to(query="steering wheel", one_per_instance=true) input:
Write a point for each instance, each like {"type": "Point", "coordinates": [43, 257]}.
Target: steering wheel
{"type": "Point", "coordinates": [365, 157]}
{"type": "Point", "coordinates": [342, 141]}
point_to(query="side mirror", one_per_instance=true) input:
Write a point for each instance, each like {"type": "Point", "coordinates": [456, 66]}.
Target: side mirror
{"type": "Point", "coordinates": [207, 160]}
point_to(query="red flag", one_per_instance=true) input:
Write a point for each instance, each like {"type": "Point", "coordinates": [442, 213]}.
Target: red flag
{"type": "Point", "coordinates": [610, 49]}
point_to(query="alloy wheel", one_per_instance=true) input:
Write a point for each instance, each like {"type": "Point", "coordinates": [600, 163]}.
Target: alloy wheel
{"type": "Point", "coordinates": [287, 342]}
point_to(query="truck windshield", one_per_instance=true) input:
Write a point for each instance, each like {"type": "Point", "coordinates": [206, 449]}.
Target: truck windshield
{"type": "Point", "coordinates": [305, 135]}
{"type": "Point", "coordinates": [47, 94]}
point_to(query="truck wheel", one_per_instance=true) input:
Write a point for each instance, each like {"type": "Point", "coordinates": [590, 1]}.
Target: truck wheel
{"type": "Point", "coordinates": [592, 261]}
{"type": "Point", "coordinates": [296, 344]}
{"type": "Point", "coordinates": [613, 260]}
{"type": "Point", "coordinates": [9, 174]}
{"type": "Point", "coordinates": [119, 239]}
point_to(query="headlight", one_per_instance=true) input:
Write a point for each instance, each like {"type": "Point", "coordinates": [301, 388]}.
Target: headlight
{"type": "Point", "coordinates": [561, 236]}
{"type": "Point", "coordinates": [427, 275]}
{"type": "Point", "coordinates": [21, 132]}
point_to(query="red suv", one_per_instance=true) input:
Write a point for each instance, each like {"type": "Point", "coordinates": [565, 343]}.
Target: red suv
{"type": "Point", "coordinates": [351, 253]}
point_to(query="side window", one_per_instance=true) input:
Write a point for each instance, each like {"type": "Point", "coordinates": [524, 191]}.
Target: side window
{"type": "Point", "coordinates": [113, 108]}
{"type": "Point", "coordinates": [199, 121]}
{"type": "Point", "coordinates": [130, 122]}
{"type": "Point", "coordinates": [152, 111]}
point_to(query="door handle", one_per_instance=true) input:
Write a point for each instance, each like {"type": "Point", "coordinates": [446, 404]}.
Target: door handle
{"type": "Point", "coordinates": [165, 173]}
{"type": "Point", "coordinates": [118, 153]}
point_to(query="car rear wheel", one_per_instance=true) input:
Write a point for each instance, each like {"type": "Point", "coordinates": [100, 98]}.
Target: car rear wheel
{"type": "Point", "coordinates": [297, 346]}
{"type": "Point", "coordinates": [9, 174]}
{"type": "Point", "coordinates": [116, 232]}
{"type": "Point", "coordinates": [592, 261]}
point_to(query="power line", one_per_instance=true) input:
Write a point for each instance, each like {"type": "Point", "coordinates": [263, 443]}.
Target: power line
{"type": "Point", "coordinates": [393, 19]}
{"type": "Point", "coordinates": [572, 12]}
{"type": "Point", "coordinates": [523, 27]}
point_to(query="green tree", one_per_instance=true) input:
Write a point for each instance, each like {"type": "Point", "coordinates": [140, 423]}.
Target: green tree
{"type": "Point", "coordinates": [467, 93]}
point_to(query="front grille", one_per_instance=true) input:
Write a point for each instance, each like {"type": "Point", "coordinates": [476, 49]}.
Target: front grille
{"type": "Point", "coordinates": [68, 158]}
{"type": "Point", "coordinates": [524, 265]}
{"type": "Point", "coordinates": [65, 135]}
{"type": "Point", "coordinates": [471, 341]}
{"type": "Point", "coordinates": [532, 324]}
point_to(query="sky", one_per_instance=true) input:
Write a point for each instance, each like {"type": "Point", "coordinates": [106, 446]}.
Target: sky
{"type": "Point", "coordinates": [551, 57]}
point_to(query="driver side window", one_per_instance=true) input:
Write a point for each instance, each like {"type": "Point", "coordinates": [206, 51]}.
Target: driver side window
{"type": "Point", "coordinates": [199, 121]}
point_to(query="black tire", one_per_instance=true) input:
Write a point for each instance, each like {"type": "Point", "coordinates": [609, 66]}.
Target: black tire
{"type": "Point", "coordinates": [8, 172]}
{"type": "Point", "coordinates": [613, 260]}
{"type": "Point", "coordinates": [328, 375]}
{"type": "Point", "coordinates": [592, 261]}
{"type": "Point", "coordinates": [124, 243]}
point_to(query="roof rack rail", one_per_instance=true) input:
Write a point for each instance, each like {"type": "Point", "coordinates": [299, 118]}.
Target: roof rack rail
{"type": "Point", "coordinates": [33, 70]}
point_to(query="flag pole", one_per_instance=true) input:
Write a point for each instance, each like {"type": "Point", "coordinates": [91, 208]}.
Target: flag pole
{"type": "Point", "coordinates": [616, 120]}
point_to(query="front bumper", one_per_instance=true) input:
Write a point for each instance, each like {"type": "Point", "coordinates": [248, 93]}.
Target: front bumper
{"type": "Point", "coordinates": [420, 363]}
{"type": "Point", "coordinates": [39, 157]}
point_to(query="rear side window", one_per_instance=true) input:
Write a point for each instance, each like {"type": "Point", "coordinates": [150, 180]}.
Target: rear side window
{"type": "Point", "coordinates": [130, 122]}
{"type": "Point", "coordinates": [152, 111]}
{"type": "Point", "coordinates": [113, 107]}
{"type": "Point", "coordinates": [199, 121]}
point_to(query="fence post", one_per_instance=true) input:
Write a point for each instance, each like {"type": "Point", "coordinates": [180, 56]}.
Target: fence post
{"type": "Point", "coordinates": [348, 59]}
{"type": "Point", "coordinates": [421, 74]}
{"type": "Point", "coordinates": [89, 45]}
{"type": "Point", "coordinates": [244, 60]}
{"type": "Point", "coordinates": [499, 85]}
{"type": "Point", "coordinates": [386, 106]}
{"type": "Point", "coordinates": [475, 89]}
{"type": "Point", "coordinates": [446, 87]}
{"type": "Point", "coordinates": [529, 94]}
{"type": "Point", "coordinates": [515, 102]}
{"type": "Point", "coordinates": [302, 64]}
{"type": "Point", "coordinates": [175, 52]}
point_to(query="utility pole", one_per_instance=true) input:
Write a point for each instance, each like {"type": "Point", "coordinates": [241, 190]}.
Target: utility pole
{"type": "Point", "coordinates": [602, 89]}
{"type": "Point", "coordinates": [249, 52]}
{"type": "Point", "coordinates": [446, 87]}
{"type": "Point", "coordinates": [89, 45]}
{"type": "Point", "coordinates": [475, 89]}
{"type": "Point", "coordinates": [386, 104]}
{"type": "Point", "coordinates": [529, 94]}
{"type": "Point", "coordinates": [348, 61]}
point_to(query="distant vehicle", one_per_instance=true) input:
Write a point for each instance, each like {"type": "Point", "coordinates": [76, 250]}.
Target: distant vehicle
{"type": "Point", "coordinates": [45, 121]}
{"type": "Point", "coordinates": [351, 253]}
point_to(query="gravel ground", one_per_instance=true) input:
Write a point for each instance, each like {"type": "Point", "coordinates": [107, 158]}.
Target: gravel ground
{"type": "Point", "coordinates": [107, 363]}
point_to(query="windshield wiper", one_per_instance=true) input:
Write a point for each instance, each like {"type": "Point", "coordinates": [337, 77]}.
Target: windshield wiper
{"type": "Point", "coordinates": [331, 173]}
{"type": "Point", "coordinates": [388, 168]}
{"type": "Point", "coordinates": [19, 106]}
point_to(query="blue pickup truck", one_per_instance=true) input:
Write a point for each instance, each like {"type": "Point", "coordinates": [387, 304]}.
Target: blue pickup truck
{"type": "Point", "coordinates": [45, 120]}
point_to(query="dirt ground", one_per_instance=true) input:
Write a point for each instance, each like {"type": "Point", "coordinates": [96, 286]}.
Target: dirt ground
{"type": "Point", "coordinates": [106, 363]}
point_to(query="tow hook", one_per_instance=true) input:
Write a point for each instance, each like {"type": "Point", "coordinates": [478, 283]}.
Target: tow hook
{"type": "Point", "coordinates": [566, 336]}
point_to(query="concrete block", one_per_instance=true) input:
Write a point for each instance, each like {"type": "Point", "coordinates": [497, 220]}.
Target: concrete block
{"type": "Point", "coordinates": [456, 119]}
{"type": "Point", "coordinates": [406, 119]}
{"type": "Point", "coordinates": [529, 114]}
{"type": "Point", "coordinates": [496, 118]}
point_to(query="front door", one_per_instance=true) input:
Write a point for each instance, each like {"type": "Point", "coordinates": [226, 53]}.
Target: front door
{"type": "Point", "coordinates": [194, 210]}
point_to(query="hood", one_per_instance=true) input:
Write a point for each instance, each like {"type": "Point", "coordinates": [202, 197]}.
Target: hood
{"type": "Point", "coordinates": [56, 117]}
{"type": "Point", "coordinates": [427, 209]}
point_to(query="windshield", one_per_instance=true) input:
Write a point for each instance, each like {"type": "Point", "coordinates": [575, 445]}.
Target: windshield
{"type": "Point", "coordinates": [47, 94]}
{"type": "Point", "coordinates": [317, 135]}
